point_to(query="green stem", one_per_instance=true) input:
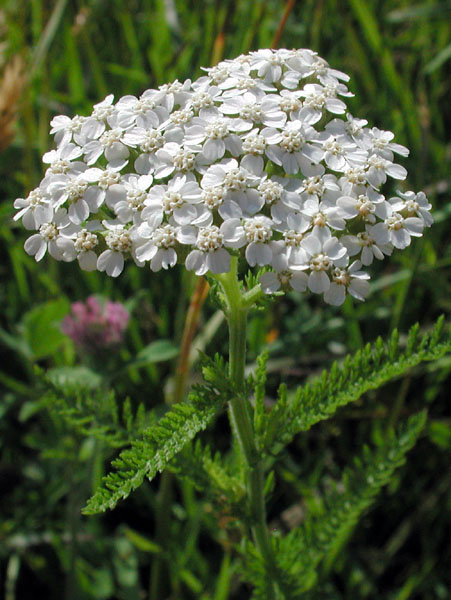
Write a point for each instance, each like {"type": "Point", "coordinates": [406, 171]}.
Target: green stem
{"type": "Point", "coordinates": [240, 410]}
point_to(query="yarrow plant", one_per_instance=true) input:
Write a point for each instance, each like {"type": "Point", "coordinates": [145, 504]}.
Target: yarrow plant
{"type": "Point", "coordinates": [256, 162]}
{"type": "Point", "coordinates": [95, 327]}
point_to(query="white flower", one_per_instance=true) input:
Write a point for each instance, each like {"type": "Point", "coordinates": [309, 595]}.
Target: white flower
{"type": "Point", "coordinates": [413, 205]}
{"type": "Point", "coordinates": [316, 101]}
{"type": "Point", "coordinates": [118, 241]}
{"type": "Point", "coordinates": [160, 247]}
{"type": "Point", "coordinates": [215, 136]}
{"type": "Point", "coordinates": [65, 129]}
{"type": "Point", "coordinates": [203, 100]}
{"type": "Point", "coordinates": [283, 276]}
{"type": "Point", "coordinates": [170, 94]}
{"type": "Point", "coordinates": [350, 280]}
{"type": "Point", "coordinates": [103, 114]}
{"type": "Point", "coordinates": [340, 153]}
{"type": "Point", "coordinates": [80, 244]}
{"type": "Point", "coordinates": [380, 143]}
{"type": "Point", "coordinates": [353, 180]}
{"type": "Point", "coordinates": [366, 205]}
{"type": "Point", "coordinates": [293, 234]}
{"type": "Point", "coordinates": [291, 148]}
{"type": "Point", "coordinates": [142, 112]}
{"type": "Point", "coordinates": [397, 230]}
{"type": "Point", "coordinates": [379, 168]}
{"type": "Point", "coordinates": [71, 190]}
{"type": "Point", "coordinates": [110, 143]}
{"type": "Point", "coordinates": [319, 187]}
{"type": "Point", "coordinates": [47, 237]}
{"type": "Point", "coordinates": [209, 253]}
{"type": "Point", "coordinates": [178, 200]}
{"type": "Point", "coordinates": [321, 214]}
{"type": "Point", "coordinates": [353, 128]}
{"type": "Point", "coordinates": [322, 253]}
{"type": "Point", "coordinates": [172, 157]}
{"type": "Point", "coordinates": [268, 64]}
{"type": "Point", "coordinates": [60, 159]}
{"type": "Point", "coordinates": [240, 198]}
{"type": "Point", "coordinates": [258, 158]}
{"type": "Point", "coordinates": [34, 210]}
{"type": "Point", "coordinates": [128, 198]}
{"type": "Point", "coordinates": [106, 181]}
{"type": "Point", "coordinates": [250, 111]}
{"type": "Point", "coordinates": [275, 193]}
{"type": "Point", "coordinates": [308, 63]}
{"type": "Point", "coordinates": [365, 243]}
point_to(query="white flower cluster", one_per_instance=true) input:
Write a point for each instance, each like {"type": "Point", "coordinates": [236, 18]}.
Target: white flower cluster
{"type": "Point", "coordinates": [250, 159]}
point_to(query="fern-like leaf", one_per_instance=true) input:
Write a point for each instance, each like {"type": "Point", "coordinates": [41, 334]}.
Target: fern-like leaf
{"type": "Point", "coordinates": [322, 536]}
{"type": "Point", "coordinates": [148, 456]}
{"type": "Point", "coordinates": [211, 476]}
{"type": "Point", "coordinates": [90, 410]}
{"type": "Point", "coordinates": [368, 369]}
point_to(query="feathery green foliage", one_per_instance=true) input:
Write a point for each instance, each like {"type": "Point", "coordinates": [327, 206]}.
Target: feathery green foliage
{"type": "Point", "coordinates": [368, 369]}
{"type": "Point", "coordinates": [322, 535]}
{"type": "Point", "coordinates": [92, 410]}
{"type": "Point", "coordinates": [151, 454]}
{"type": "Point", "coordinates": [209, 474]}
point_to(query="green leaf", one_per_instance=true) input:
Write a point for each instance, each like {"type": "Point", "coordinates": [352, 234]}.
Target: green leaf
{"type": "Point", "coordinates": [438, 60]}
{"type": "Point", "coordinates": [367, 369]}
{"type": "Point", "coordinates": [78, 397]}
{"type": "Point", "coordinates": [439, 433]}
{"type": "Point", "coordinates": [436, 10]}
{"type": "Point", "coordinates": [141, 542]}
{"type": "Point", "coordinates": [150, 455]}
{"type": "Point", "coordinates": [74, 376]}
{"type": "Point", "coordinates": [157, 351]}
{"type": "Point", "coordinates": [42, 327]}
{"type": "Point", "coordinates": [211, 476]}
{"type": "Point", "coordinates": [322, 535]}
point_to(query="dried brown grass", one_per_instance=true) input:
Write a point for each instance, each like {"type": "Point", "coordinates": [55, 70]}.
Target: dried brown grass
{"type": "Point", "coordinates": [12, 83]}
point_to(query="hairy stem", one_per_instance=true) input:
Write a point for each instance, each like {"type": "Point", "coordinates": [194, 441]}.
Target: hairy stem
{"type": "Point", "coordinates": [240, 411]}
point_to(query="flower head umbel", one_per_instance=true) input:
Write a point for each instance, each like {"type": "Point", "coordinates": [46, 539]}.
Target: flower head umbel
{"type": "Point", "coordinates": [94, 326]}
{"type": "Point", "coordinates": [257, 158]}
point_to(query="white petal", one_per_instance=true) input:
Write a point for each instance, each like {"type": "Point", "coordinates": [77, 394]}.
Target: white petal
{"type": "Point", "coordinates": [78, 211]}
{"type": "Point", "coordinates": [195, 261]}
{"type": "Point", "coordinates": [318, 282]}
{"type": "Point", "coordinates": [400, 238]}
{"type": "Point", "coordinates": [270, 283]}
{"type": "Point", "coordinates": [146, 252]}
{"type": "Point", "coordinates": [185, 214]}
{"type": "Point", "coordinates": [396, 171]}
{"type": "Point", "coordinates": [218, 261]}
{"type": "Point", "coordinates": [213, 149]}
{"type": "Point", "coordinates": [414, 226]}
{"type": "Point", "coordinates": [254, 164]}
{"type": "Point", "coordinates": [258, 253]}
{"type": "Point", "coordinates": [335, 295]}
{"type": "Point", "coordinates": [163, 258]}
{"type": "Point", "coordinates": [87, 261]}
{"type": "Point", "coordinates": [359, 288]}
{"type": "Point", "coordinates": [34, 245]}
{"type": "Point", "coordinates": [299, 281]}
{"type": "Point", "coordinates": [311, 244]}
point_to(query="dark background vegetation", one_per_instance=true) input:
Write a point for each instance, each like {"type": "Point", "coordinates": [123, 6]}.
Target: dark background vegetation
{"type": "Point", "coordinates": [68, 55]}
